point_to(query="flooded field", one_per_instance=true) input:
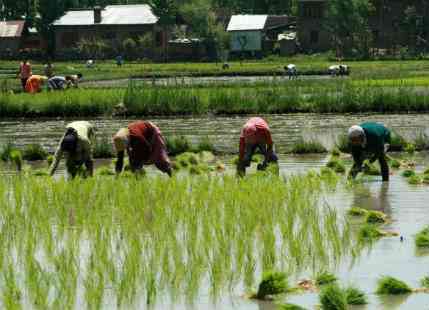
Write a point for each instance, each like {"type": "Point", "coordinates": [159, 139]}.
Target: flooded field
{"type": "Point", "coordinates": [223, 131]}
{"type": "Point", "coordinates": [405, 205]}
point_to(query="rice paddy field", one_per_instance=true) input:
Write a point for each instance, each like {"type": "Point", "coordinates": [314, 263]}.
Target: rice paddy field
{"type": "Point", "coordinates": [210, 240]}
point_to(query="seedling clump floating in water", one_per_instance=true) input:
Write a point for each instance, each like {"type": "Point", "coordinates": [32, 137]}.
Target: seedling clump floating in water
{"type": "Point", "coordinates": [422, 238]}
{"type": "Point", "coordinates": [414, 180]}
{"type": "Point", "coordinates": [325, 278]}
{"type": "Point", "coordinates": [290, 307]}
{"type": "Point", "coordinates": [391, 286]}
{"type": "Point", "coordinates": [355, 296]}
{"type": "Point", "coordinates": [332, 297]}
{"type": "Point", "coordinates": [375, 217]}
{"type": "Point", "coordinates": [273, 283]}
{"type": "Point", "coordinates": [369, 168]}
{"type": "Point", "coordinates": [408, 173]}
{"type": "Point", "coordinates": [356, 211]}
{"type": "Point", "coordinates": [425, 282]}
{"type": "Point", "coordinates": [369, 232]}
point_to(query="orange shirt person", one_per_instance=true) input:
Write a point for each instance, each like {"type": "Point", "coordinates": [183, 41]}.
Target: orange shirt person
{"type": "Point", "coordinates": [24, 72]}
{"type": "Point", "coordinates": [34, 83]}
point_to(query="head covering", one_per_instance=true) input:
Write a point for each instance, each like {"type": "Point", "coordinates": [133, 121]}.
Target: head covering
{"type": "Point", "coordinates": [121, 139]}
{"type": "Point", "coordinates": [356, 132]}
{"type": "Point", "coordinates": [69, 143]}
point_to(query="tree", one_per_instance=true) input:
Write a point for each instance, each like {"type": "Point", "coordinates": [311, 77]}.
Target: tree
{"type": "Point", "coordinates": [166, 10]}
{"type": "Point", "coordinates": [347, 22]}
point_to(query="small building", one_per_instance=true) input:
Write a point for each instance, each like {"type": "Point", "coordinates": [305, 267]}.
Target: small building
{"type": "Point", "coordinates": [112, 24]}
{"type": "Point", "coordinates": [255, 34]}
{"type": "Point", "coordinates": [10, 36]}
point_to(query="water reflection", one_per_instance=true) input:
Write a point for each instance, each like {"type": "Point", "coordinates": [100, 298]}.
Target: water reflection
{"type": "Point", "coordinates": [364, 197]}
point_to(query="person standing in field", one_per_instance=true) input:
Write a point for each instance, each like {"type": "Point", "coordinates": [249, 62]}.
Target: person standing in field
{"type": "Point", "coordinates": [24, 72]}
{"type": "Point", "coordinates": [144, 144]}
{"type": "Point", "coordinates": [49, 69]}
{"type": "Point", "coordinates": [34, 83]}
{"type": "Point", "coordinates": [369, 141]}
{"type": "Point", "coordinates": [76, 147]}
{"type": "Point", "coordinates": [255, 135]}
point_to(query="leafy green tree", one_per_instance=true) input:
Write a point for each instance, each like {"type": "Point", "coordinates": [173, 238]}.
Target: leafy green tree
{"type": "Point", "coordinates": [166, 10]}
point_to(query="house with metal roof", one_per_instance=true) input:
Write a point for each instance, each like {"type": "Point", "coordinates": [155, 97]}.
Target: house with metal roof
{"type": "Point", "coordinates": [254, 34]}
{"type": "Point", "coordinates": [10, 35]}
{"type": "Point", "coordinates": [113, 24]}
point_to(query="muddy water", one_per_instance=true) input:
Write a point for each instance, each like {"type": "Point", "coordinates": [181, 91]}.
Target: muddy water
{"type": "Point", "coordinates": [222, 131]}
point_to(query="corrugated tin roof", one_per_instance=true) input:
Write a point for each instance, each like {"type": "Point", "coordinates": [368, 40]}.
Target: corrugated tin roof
{"type": "Point", "coordinates": [247, 22]}
{"type": "Point", "coordinates": [11, 29]}
{"type": "Point", "coordinates": [140, 14]}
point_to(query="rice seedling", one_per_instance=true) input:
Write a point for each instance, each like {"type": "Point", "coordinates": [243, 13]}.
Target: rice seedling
{"type": "Point", "coordinates": [356, 211]}
{"type": "Point", "coordinates": [394, 163]}
{"type": "Point", "coordinates": [425, 179]}
{"type": "Point", "coordinates": [325, 277]}
{"type": "Point", "coordinates": [102, 148]}
{"type": "Point", "coordinates": [343, 144]}
{"type": "Point", "coordinates": [355, 296]}
{"type": "Point", "coordinates": [50, 159]}
{"type": "Point", "coordinates": [289, 306]}
{"type": "Point", "coordinates": [34, 152]}
{"type": "Point", "coordinates": [408, 173]}
{"type": "Point", "coordinates": [177, 145]}
{"type": "Point", "coordinates": [424, 282]}
{"type": "Point", "coordinates": [83, 240]}
{"type": "Point", "coordinates": [272, 283]}
{"type": "Point", "coordinates": [205, 144]}
{"type": "Point", "coordinates": [422, 238]}
{"type": "Point", "coordinates": [397, 142]}
{"type": "Point", "coordinates": [426, 171]}
{"type": "Point", "coordinates": [332, 297]}
{"type": "Point", "coordinates": [390, 286]}
{"type": "Point", "coordinates": [307, 147]}
{"type": "Point", "coordinates": [410, 148]}
{"type": "Point", "coordinates": [369, 232]}
{"type": "Point", "coordinates": [414, 179]}
{"type": "Point", "coordinates": [335, 152]}
{"type": "Point", "coordinates": [336, 164]}
{"type": "Point", "coordinates": [375, 217]}
{"type": "Point", "coordinates": [6, 150]}
{"type": "Point", "coordinates": [421, 141]}
{"type": "Point", "coordinates": [369, 169]}
{"type": "Point", "coordinates": [16, 159]}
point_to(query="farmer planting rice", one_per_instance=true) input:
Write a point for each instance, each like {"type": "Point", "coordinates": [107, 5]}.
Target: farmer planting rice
{"type": "Point", "coordinates": [144, 144]}
{"type": "Point", "coordinates": [60, 82]}
{"type": "Point", "coordinates": [369, 141]}
{"type": "Point", "coordinates": [76, 145]}
{"type": "Point", "coordinates": [255, 135]}
{"type": "Point", "coordinates": [34, 83]}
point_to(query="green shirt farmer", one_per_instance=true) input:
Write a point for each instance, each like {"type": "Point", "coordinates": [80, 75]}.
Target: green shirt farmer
{"type": "Point", "coordinates": [369, 141]}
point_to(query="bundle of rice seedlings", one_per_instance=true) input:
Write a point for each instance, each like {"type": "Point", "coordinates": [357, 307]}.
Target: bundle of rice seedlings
{"type": "Point", "coordinates": [369, 232]}
{"type": "Point", "coordinates": [414, 180]}
{"type": "Point", "coordinates": [390, 286]}
{"type": "Point", "coordinates": [425, 282]}
{"type": "Point", "coordinates": [408, 173]}
{"type": "Point", "coordinates": [422, 238]}
{"type": "Point", "coordinates": [374, 217]}
{"type": "Point", "coordinates": [290, 307]}
{"type": "Point", "coordinates": [325, 277]}
{"type": "Point", "coordinates": [273, 283]}
{"type": "Point", "coordinates": [332, 297]}
{"type": "Point", "coordinates": [355, 296]}
{"type": "Point", "coordinates": [356, 211]}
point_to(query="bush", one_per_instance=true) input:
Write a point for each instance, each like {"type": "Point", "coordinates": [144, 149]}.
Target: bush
{"type": "Point", "coordinates": [391, 286]}
{"type": "Point", "coordinates": [422, 238]}
{"type": "Point", "coordinates": [272, 283]}
{"type": "Point", "coordinates": [354, 296]}
{"type": "Point", "coordinates": [34, 152]}
{"type": "Point", "coordinates": [332, 297]}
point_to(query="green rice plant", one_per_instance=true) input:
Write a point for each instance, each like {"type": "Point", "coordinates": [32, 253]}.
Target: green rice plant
{"type": "Point", "coordinates": [422, 238]}
{"type": "Point", "coordinates": [325, 277]}
{"type": "Point", "coordinates": [205, 144]}
{"type": "Point", "coordinates": [335, 152]}
{"type": "Point", "coordinates": [424, 282]}
{"type": "Point", "coordinates": [410, 148]}
{"type": "Point", "coordinates": [336, 164]}
{"type": "Point", "coordinates": [102, 148]}
{"type": "Point", "coordinates": [421, 142]}
{"type": "Point", "coordinates": [177, 145]}
{"type": "Point", "coordinates": [356, 211]}
{"type": "Point", "coordinates": [390, 286]}
{"type": "Point", "coordinates": [104, 171]}
{"type": "Point", "coordinates": [425, 179]}
{"type": "Point", "coordinates": [307, 147]}
{"type": "Point", "coordinates": [426, 171]}
{"type": "Point", "coordinates": [415, 179]}
{"type": "Point", "coordinates": [369, 232]}
{"type": "Point", "coordinates": [375, 217]}
{"type": "Point", "coordinates": [397, 142]}
{"type": "Point", "coordinates": [6, 151]}
{"type": "Point", "coordinates": [355, 296]}
{"type": "Point", "coordinates": [289, 306]}
{"type": "Point", "coordinates": [332, 297]}
{"type": "Point", "coordinates": [40, 172]}
{"type": "Point", "coordinates": [34, 152]}
{"type": "Point", "coordinates": [343, 144]}
{"type": "Point", "coordinates": [394, 163]}
{"type": "Point", "coordinates": [369, 169]}
{"type": "Point", "coordinates": [408, 173]}
{"type": "Point", "coordinates": [16, 159]}
{"type": "Point", "coordinates": [50, 160]}
{"type": "Point", "coordinates": [272, 283]}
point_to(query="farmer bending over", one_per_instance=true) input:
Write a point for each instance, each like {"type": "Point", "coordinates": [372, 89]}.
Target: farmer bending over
{"type": "Point", "coordinates": [369, 141]}
{"type": "Point", "coordinates": [34, 83]}
{"type": "Point", "coordinates": [76, 145]}
{"type": "Point", "coordinates": [144, 144]}
{"type": "Point", "coordinates": [255, 135]}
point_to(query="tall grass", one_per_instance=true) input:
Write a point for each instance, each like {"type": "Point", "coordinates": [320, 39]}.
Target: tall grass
{"type": "Point", "coordinates": [338, 97]}
{"type": "Point", "coordinates": [130, 241]}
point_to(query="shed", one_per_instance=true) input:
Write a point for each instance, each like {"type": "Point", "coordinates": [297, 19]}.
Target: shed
{"type": "Point", "coordinates": [10, 35]}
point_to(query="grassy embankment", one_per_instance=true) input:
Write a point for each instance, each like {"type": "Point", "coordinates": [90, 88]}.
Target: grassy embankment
{"type": "Point", "coordinates": [299, 96]}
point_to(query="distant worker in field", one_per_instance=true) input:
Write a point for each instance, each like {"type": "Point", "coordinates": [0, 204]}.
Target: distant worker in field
{"type": "Point", "coordinates": [338, 70]}
{"type": "Point", "coordinates": [90, 63]}
{"type": "Point", "coordinates": [62, 82]}
{"type": "Point", "coordinates": [119, 60]}
{"type": "Point", "coordinates": [24, 72]}
{"type": "Point", "coordinates": [49, 69]}
{"type": "Point", "coordinates": [291, 71]}
{"type": "Point", "coordinates": [34, 83]}
{"type": "Point", "coordinates": [144, 144]}
{"type": "Point", "coordinates": [369, 141]}
{"type": "Point", "coordinates": [76, 146]}
{"type": "Point", "coordinates": [255, 135]}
